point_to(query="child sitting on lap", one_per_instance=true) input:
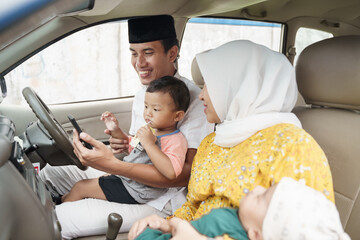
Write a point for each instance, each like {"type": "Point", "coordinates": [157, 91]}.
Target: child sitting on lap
{"type": "Point", "coordinates": [159, 142]}
{"type": "Point", "coordinates": [288, 210]}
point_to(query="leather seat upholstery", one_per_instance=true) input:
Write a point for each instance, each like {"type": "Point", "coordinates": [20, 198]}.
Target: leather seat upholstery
{"type": "Point", "coordinates": [328, 77]}
{"type": "Point", "coordinates": [196, 74]}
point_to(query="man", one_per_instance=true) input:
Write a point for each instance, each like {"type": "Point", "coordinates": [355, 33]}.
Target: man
{"type": "Point", "coordinates": [154, 49]}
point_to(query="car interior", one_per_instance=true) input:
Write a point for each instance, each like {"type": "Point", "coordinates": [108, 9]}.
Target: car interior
{"type": "Point", "coordinates": [333, 97]}
{"type": "Point", "coordinates": [38, 132]}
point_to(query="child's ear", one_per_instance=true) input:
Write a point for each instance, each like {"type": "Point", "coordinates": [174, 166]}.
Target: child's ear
{"type": "Point", "coordinates": [254, 234]}
{"type": "Point", "coordinates": [179, 115]}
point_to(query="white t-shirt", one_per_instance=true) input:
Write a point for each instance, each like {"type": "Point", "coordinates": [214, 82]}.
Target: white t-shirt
{"type": "Point", "coordinates": [193, 126]}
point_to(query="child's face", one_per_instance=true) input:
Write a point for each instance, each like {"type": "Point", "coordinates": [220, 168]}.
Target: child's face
{"type": "Point", "coordinates": [159, 111]}
{"type": "Point", "coordinates": [253, 208]}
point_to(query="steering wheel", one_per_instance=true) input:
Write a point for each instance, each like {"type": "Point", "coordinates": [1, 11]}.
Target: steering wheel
{"type": "Point", "coordinates": [54, 128]}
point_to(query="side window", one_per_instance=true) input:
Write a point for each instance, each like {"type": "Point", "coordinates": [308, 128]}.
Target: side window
{"type": "Point", "coordinates": [206, 33]}
{"type": "Point", "coordinates": [306, 37]}
{"type": "Point", "coordinates": [91, 64]}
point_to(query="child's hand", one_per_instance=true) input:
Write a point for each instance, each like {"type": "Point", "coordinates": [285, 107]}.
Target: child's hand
{"type": "Point", "coordinates": [146, 136]}
{"type": "Point", "coordinates": [110, 121]}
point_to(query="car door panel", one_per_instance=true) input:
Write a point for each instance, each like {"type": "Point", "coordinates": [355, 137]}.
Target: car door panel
{"type": "Point", "coordinates": [87, 115]}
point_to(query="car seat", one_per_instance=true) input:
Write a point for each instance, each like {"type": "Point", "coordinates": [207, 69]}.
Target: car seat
{"type": "Point", "coordinates": [328, 77]}
{"type": "Point", "coordinates": [196, 74]}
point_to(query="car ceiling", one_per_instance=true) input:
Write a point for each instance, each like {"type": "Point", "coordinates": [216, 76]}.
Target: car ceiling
{"type": "Point", "coordinates": [325, 12]}
{"type": "Point", "coordinates": [347, 11]}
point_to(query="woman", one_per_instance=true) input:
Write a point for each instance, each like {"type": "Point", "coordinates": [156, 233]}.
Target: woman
{"type": "Point", "coordinates": [249, 92]}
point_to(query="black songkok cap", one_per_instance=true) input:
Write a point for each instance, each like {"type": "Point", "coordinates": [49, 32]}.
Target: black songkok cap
{"type": "Point", "coordinates": [152, 28]}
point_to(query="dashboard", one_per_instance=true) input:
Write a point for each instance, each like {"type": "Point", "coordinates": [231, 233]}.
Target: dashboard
{"type": "Point", "coordinates": [27, 210]}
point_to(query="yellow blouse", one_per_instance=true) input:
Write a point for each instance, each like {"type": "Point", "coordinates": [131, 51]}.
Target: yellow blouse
{"type": "Point", "coordinates": [220, 177]}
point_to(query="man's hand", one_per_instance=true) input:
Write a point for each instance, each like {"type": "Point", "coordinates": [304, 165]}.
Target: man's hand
{"type": "Point", "coordinates": [153, 221]}
{"type": "Point", "coordinates": [118, 145]}
{"type": "Point", "coordinates": [98, 157]}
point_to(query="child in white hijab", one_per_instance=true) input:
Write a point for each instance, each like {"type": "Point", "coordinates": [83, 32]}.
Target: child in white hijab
{"type": "Point", "coordinates": [295, 212]}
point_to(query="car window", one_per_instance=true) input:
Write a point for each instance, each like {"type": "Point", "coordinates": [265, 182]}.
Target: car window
{"type": "Point", "coordinates": [307, 36]}
{"type": "Point", "coordinates": [94, 63]}
{"type": "Point", "coordinates": [91, 64]}
{"type": "Point", "coordinates": [206, 33]}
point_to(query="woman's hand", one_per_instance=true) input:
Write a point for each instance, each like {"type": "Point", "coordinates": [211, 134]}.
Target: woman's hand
{"type": "Point", "coordinates": [183, 230]}
{"type": "Point", "coordinates": [153, 221]}
{"type": "Point", "coordinates": [146, 136]}
{"type": "Point", "coordinates": [99, 157]}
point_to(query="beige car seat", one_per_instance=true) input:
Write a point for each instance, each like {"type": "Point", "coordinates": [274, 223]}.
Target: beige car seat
{"type": "Point", "coordinates": [328, 77]}
{"type": "Point", "coordinates": [196, 74]}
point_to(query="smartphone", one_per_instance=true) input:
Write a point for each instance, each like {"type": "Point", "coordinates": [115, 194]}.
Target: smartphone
{"type": "Point", "coordinates": [78, 129]}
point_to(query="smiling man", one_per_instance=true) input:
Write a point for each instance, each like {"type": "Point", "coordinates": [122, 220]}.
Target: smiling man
{"type": "Point", "coordinates": [154, 48]}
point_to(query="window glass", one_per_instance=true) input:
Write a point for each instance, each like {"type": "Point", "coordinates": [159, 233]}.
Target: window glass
{"type": "Point", "coordinates": [90, 64]}
{"type": "Point", "coordinates": [206, 33]}
{"type": "Point", "coordinates": [94, 63]}
{"type": "Point", "coordinates": [306, 37]}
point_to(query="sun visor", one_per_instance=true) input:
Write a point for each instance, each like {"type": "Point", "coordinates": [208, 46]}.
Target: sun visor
{"type": "Point", "coordinates": [17, 18]}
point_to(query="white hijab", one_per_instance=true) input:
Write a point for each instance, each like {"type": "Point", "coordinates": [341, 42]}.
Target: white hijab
{"type": "Point", "coordinates": [251, 88]}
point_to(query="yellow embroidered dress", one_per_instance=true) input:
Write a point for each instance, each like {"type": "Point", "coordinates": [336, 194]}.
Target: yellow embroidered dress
{"type": "Point", "coordinates": [220, 177]}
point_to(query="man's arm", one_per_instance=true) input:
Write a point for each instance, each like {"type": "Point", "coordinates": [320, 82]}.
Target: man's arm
{"type": "Point", "coordinates": [149, 175]}
{"type": "Point", "coordinates": [102, 158]}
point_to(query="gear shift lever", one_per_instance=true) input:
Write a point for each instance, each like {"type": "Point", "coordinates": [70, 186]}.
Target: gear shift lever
{"type": "Point", "coordinates": [114, 223]}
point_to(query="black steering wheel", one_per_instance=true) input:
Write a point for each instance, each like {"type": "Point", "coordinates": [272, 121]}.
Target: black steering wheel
{"type": "Point", "coordinates": [54, 128]}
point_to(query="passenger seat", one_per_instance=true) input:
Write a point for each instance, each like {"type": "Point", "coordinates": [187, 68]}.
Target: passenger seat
{"type": "Point", "coordinates": [328, 77]}
{"type": "Point", "coordinates": [196, 74]}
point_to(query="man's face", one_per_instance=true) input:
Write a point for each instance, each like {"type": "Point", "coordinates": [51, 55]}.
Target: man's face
{"type": "Point", "coordinates": [151, 62]}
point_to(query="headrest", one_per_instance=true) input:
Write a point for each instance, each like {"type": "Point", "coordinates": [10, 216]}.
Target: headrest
{"type": "Point", "coordinates": [196, 74]}
{"type": "Point", "coordinates": [328, 73]}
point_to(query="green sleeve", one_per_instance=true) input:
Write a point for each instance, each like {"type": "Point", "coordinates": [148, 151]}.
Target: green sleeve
{"type": "Point", "coordinates": [219, 222]}
{"type": "Point", "coordinates": [153, 234]}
